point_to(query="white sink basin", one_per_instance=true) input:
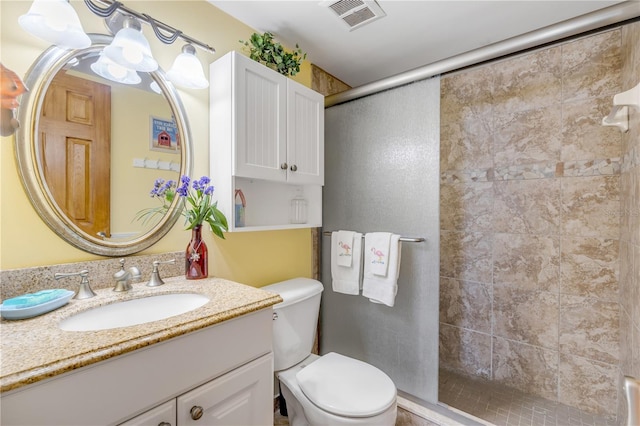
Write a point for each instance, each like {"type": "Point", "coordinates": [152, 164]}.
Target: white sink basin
{"type": "Point", "coordinates": [133, 312]}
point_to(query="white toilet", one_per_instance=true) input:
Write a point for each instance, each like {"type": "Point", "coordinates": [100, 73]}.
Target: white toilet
{"type": "Point", "coordinates": [323, 390]}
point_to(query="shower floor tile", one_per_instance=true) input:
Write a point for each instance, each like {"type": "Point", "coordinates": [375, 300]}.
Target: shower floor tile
{"type": "Point", "coordinates": [505, 406]}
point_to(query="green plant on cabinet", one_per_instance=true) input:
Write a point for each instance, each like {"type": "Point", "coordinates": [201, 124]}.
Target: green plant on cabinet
{"type": "Point", "coordinates": [262, 48]}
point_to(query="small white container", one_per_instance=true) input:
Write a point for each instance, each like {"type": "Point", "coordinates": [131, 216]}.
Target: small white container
{"type": "Point", "coordinates": [298, 210]}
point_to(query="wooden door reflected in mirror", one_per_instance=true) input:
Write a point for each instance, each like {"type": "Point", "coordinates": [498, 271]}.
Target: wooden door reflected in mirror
{"type": "Point", "coordinates": [75, 132]}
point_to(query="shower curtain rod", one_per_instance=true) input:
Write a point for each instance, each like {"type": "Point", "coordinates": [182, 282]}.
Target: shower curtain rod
{"type": "Point", "coordinates": [591, 21]}
{"type": "Point", "coordinates": [403, 239]}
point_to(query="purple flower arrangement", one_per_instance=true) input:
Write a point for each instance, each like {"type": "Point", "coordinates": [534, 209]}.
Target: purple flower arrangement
{"type": "Point", "coordinates": [198, 207]}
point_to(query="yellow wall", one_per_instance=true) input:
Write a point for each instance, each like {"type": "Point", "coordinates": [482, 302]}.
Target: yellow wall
{"type": "Point", "coordinates": [130, 135]}
{"type": "Point", "coordinates": [255, 258]}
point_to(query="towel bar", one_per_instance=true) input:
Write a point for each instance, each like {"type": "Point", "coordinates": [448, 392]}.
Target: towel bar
{"type": "Point", "coordinates": [403, 239]}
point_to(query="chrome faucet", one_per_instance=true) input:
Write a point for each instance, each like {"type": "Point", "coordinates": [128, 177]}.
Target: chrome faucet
{"type": "Point", "coordinates": [84, 291]}
{"type": "Point", "coordinates": [123, 277]}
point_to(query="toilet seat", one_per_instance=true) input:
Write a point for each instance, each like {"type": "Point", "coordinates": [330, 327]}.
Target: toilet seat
{"type": "Point", "coordinates": [346, 387]}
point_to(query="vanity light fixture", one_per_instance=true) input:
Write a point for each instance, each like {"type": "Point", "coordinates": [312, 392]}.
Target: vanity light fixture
{"type": "Point", "coordinates": [130, 48]}
{"type": "Point", "coordinates": [57, 22]}
{"type": "Point", "coordinates": [119, 16]}
{"type": "Point", "coordinates": [187, 71]}
{"type": "Point", "coordinates": [110, 70]}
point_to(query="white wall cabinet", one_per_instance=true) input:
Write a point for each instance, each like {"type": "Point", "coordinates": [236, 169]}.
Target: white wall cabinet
{"type": "Point", "coordinates": [305, 135]}
{"type": "Point", "coordinates": [267, 139]}
{"type": "Point", "coordinates": [227, 369]}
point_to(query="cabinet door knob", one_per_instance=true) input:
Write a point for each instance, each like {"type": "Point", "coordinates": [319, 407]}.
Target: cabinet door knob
{"type": "Point", "coordinates": [294, 168]}
{"type": "Point", "coordinates": [164, 424]}
{"type": "Point", "coordinates": [196, 412]}
{"type": "Point", "coordinates": [284, 166]}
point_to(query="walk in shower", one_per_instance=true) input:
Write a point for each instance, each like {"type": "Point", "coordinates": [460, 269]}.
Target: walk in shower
{"type": "Point", "coordinates": [539, 232]}
{"type": "Point", "coordinates": [531, 207]}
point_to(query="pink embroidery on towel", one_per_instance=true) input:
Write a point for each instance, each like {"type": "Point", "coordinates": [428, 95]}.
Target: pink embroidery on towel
{"type": "Point", "coordinates": [346, 248]}
{"type": "Point", "coordinates": [379, 255]}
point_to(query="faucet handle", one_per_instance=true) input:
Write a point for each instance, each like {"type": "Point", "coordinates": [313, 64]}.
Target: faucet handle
{"type": "Point", "coordinates": [155, 280]}
{"type": "Point", "coordinates": [121, 274]}
{"type": "Point", "coordinates": [84, 291]}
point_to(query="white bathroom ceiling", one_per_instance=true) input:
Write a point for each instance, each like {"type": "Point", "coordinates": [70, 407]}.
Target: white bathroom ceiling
{"type": "Point", "coordinates": [412, 34]}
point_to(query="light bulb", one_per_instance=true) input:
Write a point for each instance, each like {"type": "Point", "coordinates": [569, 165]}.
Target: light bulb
{"type": "Point", "coordinates": [55, 21]}
{"type": "Point", "coordinates": [130, 48]}
{"type": "Point", "coordinates": [155, 87]}
{"type": "Point", "coordinates": [186, 70]}
{"type": "Point", "coordinates": [116, 70]}
{"type": "Point", "coordinates": [132, 54]}
{"type": "Point", "coordinates": [108, 69]}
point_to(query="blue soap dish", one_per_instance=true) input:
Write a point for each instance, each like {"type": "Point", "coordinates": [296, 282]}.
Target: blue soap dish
{"type": "Point", "coordinates": [10, 312]}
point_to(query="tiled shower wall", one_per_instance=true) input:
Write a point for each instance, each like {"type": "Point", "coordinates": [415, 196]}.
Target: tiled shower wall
{"type": "Point", "coordinates": [630, 216]}
{"type": "Point", "coordinates": [530, 222]}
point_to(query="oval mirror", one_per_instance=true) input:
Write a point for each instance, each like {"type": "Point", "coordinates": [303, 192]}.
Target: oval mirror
{"type": "Point", "coordinates": [89, 150]}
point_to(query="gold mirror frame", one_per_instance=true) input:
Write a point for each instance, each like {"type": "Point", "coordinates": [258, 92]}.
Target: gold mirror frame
{"type": "Point", "coordinates": [29, 163]}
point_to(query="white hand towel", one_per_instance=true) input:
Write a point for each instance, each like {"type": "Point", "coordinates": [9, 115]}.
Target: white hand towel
{"type": "Point", "coordinates": [346, 279]}
{"type": "Point", "coordinates": [377, 288]}
{"type": "Point", "coordinates": [344, 248]}
{"type": "Point", "coordinates": [377, 249]}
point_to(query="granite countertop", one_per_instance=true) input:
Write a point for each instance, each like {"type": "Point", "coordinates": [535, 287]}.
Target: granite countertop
{"type": "Point", "coordinates": [35, 349]}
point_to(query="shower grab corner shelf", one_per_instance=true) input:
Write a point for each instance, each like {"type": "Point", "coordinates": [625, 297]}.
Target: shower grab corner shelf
{"type": "Point", "coordinates": [619, 116]}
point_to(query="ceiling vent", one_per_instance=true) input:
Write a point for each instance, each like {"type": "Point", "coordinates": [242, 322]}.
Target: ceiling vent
{"type": "Point", "coordinates": [355, 13]}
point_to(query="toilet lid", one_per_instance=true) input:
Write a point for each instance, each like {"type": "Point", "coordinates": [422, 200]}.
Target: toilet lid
{"type": "Point", "coordinates": [346, 387]}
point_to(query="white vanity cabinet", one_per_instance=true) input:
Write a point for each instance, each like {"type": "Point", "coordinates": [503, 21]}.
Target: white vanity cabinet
{"type": "Point", "coordinates": [162, 415]}
{"type": "Point", "coordinates": [227, 369]}
{"type": "Point", "coordinates": [237, 398]}
{"type": "Point", "coordinates": [267, 139]}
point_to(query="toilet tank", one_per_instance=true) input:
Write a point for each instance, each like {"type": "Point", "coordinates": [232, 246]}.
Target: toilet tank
{"type": "Point", "coordinates": [295, 320]}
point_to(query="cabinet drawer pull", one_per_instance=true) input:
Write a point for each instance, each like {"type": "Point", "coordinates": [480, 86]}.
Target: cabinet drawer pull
{"type": "Point", "coordinates": [164, 424]}
{"type": "Point", "coordinates": [196, 412]}
{"type": "Point", "coordinates": [294, 168]}
{"type": "Point", "coordinates": [284, 166]}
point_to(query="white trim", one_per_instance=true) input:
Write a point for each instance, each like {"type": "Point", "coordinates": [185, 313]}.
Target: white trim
{"type": "Point", "coordinates": [435, 417]}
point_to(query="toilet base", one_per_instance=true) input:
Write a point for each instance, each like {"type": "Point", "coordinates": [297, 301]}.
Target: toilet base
{"type": "Point", "coordinates": [282, 404]}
